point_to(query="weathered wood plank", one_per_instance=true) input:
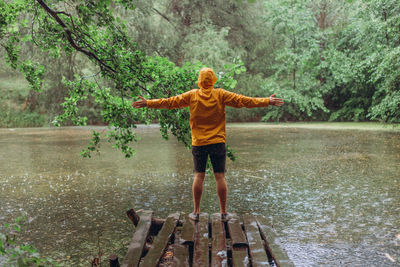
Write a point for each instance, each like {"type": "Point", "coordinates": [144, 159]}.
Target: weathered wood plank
{"type": "Point", "coordinates": [218, 245]}
{"type": "Point", "coordinates": [239, 244]}
{"type": "Point", "coordinates": [181, 255]}
{"type": "Point", "coordinates": [236, 233]}
{"type": "Point", "coordinates": [200, 253]}
{"type": "Point", "coordinates": [135, 249]}
{"type": "Point", "coordinates": [256, 244]}
{"type": "Point", "coordinates": [160, 241]}
{"type": "Point", "coordinates": [181, 251]}
{"type": "Point", "coordinates": [240, 257]}
{"type": "Point", "coordinates": [272, 243]}
{"type": "Point", "coordinates": [187, 235]}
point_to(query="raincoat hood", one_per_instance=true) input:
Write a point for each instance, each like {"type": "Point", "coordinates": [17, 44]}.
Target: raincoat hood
{"type": "Point", "coordinates": [207, 78]}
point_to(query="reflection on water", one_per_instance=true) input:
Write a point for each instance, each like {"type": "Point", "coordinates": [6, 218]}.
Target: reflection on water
{"type": "Point", "coordinates": [331, 195]}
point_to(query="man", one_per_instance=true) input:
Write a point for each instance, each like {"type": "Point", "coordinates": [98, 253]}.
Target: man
{"type": "Point", "coordinates": [207, 122]}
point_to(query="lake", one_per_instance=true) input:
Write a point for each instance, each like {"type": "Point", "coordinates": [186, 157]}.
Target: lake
{"type": "Point", "coordinates": [332, 193]}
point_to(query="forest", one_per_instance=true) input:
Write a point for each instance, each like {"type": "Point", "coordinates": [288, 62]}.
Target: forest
{"type": "Point", "coordinates": [82, 62]}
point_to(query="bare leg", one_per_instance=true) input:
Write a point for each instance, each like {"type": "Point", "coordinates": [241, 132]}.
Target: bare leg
{"type": "Point", "coordinates": [222, 190]}
{"type": "Point", "coordinates": [197, 189]}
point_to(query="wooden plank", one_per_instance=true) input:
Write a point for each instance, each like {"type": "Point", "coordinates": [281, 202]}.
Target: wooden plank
{"type": "Point", "coordinates": [187, 235]}
{"type": "Point", "coordinates": [236, 233]}
{"type": "Point", "coordinates": [135, 249]}
{"type": "Point", "coordinates": [257, 251]}
{"type": "Point", "coordinates": [160, 241]}
{"type": "Point", "coordinates": [272, 243]}
{"type": "Point", "coordinates": [181, 246]}
{"type": "Point", "coordinates": [218, 245]}
{"type": "Point", "coordinates": [181, 251]}
{"type": "Point", "coordinates": [181, 255]}
{"type": "Point", "coordinates": [200, 253]}
{"type": "Point", "coordinates": [240, 257]}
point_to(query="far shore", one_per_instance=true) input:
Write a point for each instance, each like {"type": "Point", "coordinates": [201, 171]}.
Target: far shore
{"type": "Point", "coordinates": [370, 126]}
{"type": "Point", "coordinates": [374, 126]}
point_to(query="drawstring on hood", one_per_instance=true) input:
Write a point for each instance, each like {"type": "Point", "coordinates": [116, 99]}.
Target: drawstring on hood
{"type": "Point", "coordinates": [207, 78]}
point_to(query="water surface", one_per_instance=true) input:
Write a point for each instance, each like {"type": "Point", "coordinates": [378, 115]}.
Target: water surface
{"type": "Point", "coordinates": [332, 195]}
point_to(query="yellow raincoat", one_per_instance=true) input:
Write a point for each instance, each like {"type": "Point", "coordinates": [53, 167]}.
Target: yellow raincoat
{"type": "Point", "coordinates": [207, 108]}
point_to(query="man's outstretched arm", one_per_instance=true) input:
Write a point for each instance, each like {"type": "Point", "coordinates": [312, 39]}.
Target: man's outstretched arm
{"type": "Point", "coordinates": [179, 101]}
{"type": "Point", "coordinates": [240, 101]}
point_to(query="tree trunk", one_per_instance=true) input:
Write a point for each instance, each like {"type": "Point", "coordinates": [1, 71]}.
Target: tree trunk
{"type": "Point", "coordinates": [295, 62]}
{"type": "Point", "coordinates": [386, 33]}
{"type": "Point", "coordinates": [30, 101]}
{"type": "Point", "coordinates": [294, 52]}
{"type": "Point", "coordinates": [322, 24]}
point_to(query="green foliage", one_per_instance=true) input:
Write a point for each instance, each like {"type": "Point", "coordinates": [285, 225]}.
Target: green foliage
{"type": "Point", "coordinates": [226, 78]}
{"type": "Point", "coordinates": [202, 35]}
{"type": "Point", "coordinates": [366, 74]}
{"type": "Point", "coordinates": [33, 73]}
{"type": "Point", "coordinates": [299, 75]}
{"type": "Point", "coordinates": [388, 108]}
{"type": "Point", "coordinates": [386, 101]}
{"type": "Point", "coordinates": [17, 253]}
{"type": "Point", "coordinates": [325, 68]}
{"type": "Point", "coordinates": [94, 145]}
{"type": "Point", "coordinates": [230, 153]}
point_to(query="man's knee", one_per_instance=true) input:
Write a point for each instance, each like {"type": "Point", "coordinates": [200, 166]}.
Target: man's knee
{"type": "Point", "coordinates": [199, 175]}
{"type": "Point", "coordinates": [219, 176]}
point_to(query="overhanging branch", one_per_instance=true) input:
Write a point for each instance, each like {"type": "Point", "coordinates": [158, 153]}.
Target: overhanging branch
{"type": "Point", "coordinates": [90, 54]}
{"type": "Point", "coordinates": [68, 34]}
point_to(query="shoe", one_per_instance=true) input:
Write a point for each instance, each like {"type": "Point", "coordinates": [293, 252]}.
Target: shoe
{"type": "Point", "coordinates": [194, 217]}
{"type": "Point", "coordinates": [226, 216]}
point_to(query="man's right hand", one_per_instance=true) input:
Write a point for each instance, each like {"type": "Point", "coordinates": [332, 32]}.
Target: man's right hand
{"type": "Point", "coordinates": [140, 104]}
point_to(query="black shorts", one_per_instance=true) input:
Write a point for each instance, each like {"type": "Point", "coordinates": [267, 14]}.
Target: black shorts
{"type": "Point", "coordinates": [217, 154]}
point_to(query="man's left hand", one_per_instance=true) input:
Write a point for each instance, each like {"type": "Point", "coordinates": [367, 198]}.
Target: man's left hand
{"type": "Point", "coordinates": [275, 101]}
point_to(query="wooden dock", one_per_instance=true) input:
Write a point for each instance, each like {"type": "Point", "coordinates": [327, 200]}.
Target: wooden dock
{"type": "Point", "coordinates": [246, 240]}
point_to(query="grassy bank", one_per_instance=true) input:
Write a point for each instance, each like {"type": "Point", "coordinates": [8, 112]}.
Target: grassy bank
{"type": "Point", "coordinates": [13, 118]}
{"type": "Point", "coordinates": [13, 92]}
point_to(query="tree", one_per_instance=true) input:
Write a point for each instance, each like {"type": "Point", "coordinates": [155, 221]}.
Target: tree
{"type": "Point", "coordinates": [298, 71]}
{"type": "Point", "coordinates": [386, 75]}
